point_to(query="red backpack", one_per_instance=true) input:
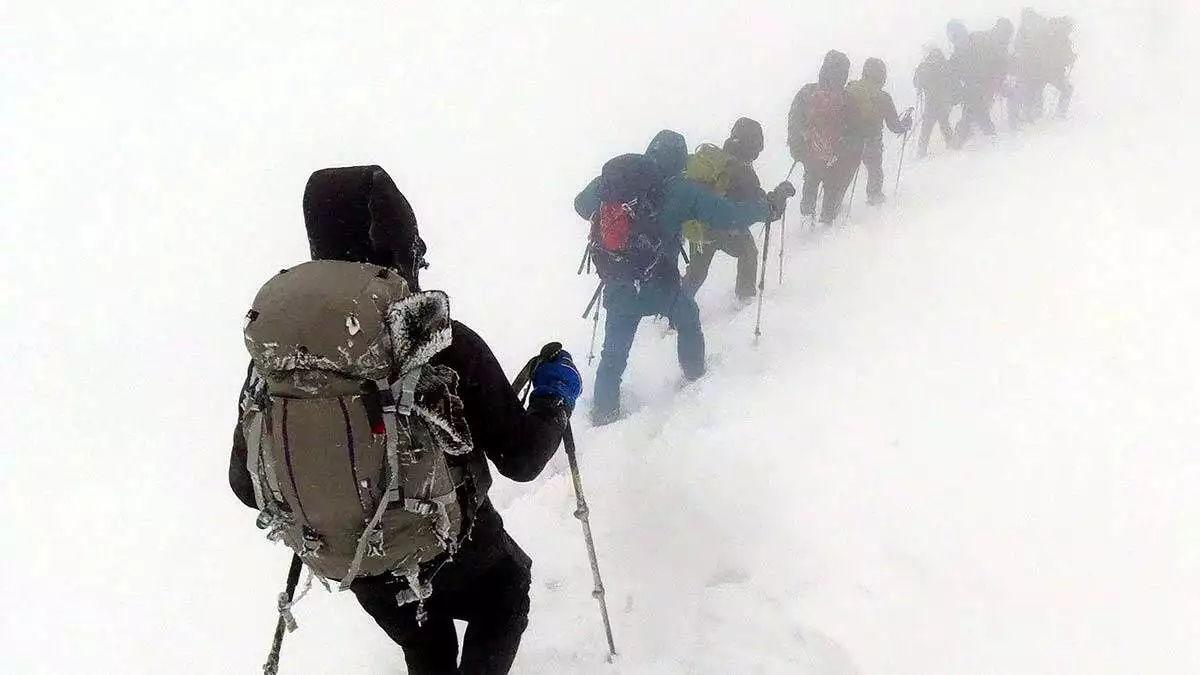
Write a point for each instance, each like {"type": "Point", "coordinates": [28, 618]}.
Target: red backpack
{"type": "Point", "coordinates": [826, 124]}
{"type": "Point", "coordinates": [625, 243]}
{"type": "Point", "coordinates": [819, 123]}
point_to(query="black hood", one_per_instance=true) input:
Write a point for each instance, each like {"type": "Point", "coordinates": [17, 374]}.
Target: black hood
{"type": "Point", "coordinates": [835, 70]}
{"type": "Point", "coordinates": [358, 214]}
{"type": "Point", "coordinates": [745, 139]}
{"type": "Point", "coordinates": [875, 71]}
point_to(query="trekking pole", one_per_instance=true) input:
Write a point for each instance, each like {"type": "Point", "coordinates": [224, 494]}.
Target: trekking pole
{"type": "Point", "coordinates": [285, 624]}
{"type": "Point", "coordinates": [762, 278]}
{"type": "Point", "coordinates": [900, 167]}
{"type": "Point", "coordinates": [903, 147]}
{"type": "Point", "coordinates": [584, 262]}
{"type": "Point", "coordinates": [520, 385]}
{"type": "Point", "coordinates": [853, 188]}
{"type": "Point", "coordinates": [594, 302]}
{"type": "Point", "coordinates": [581, 512]}
{"type": "Point", "coordinates": [782, 240]}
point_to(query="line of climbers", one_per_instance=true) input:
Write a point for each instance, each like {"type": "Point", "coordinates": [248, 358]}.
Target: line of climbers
{"type": "Point", "coordinates": [986, 65]}
{"type": "Point", "coordinates": [835, 128]}
{"type": "Point", "coordinates": [368, 416]}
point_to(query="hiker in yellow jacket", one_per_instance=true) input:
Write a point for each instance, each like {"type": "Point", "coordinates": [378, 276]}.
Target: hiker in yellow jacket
{"type": "Point", "coordinates": [876, 108]}
{"type": "Point", "coordinates": [728, 172]}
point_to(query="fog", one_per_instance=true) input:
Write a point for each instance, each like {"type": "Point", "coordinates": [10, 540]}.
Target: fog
{"type": "Point", "coordinates": [962, 446]}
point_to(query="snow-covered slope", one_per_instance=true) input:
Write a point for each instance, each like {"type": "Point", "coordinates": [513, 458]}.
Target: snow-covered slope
{"type": "Point", "coordinates": [963, 444]}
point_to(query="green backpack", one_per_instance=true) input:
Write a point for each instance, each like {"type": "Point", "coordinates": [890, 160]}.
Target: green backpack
{"type": "Point", "coordinates": [711, 166]}
{"type": "Point", "coordinates": [356, 443]}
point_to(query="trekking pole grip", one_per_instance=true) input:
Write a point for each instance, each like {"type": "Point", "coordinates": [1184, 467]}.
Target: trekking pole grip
{"type": "Point", "coordinates": [548, 353]}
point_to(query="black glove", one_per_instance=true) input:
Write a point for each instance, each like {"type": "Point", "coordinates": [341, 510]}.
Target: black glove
{"type": "Point", "coordinates": [778, 197]}
{"type": "Point", "coordinates": [906, 121]}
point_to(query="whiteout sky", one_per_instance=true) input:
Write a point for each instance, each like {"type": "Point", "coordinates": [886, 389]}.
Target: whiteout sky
{"type": "Point", "coordinates": [966, 444]}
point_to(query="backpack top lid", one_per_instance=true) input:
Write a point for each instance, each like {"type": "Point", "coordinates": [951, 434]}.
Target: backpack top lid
{"type": "Point", "coordinates": [709, 166]}
{"type": "Point", "coordinates": [630, 177]}
{"type": "Point", "coordinates": [324, 319]}
{"type": "Point", "coordinates": [357, 214]}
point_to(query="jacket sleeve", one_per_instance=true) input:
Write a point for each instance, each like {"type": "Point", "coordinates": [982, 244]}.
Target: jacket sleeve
{"type": "Point", "coordinates": [518, 441]}
{"type": "Point", "coordinates": [890, 115]}
{"type": "Point", "coordinates": [744, 184]}
{"type": "Point", "coordinates": [796, 122]}
{"type": "Point", "coordinates": [239, 475]}
{"type": "Point", "coordinates": [719, 212]}
{"type": "Point", "coordinates": [588, 201]}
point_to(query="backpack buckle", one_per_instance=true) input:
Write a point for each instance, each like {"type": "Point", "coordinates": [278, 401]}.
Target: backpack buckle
{"type": "Point", "coordinates": [375, 547]}
{"type": "Point", "coordinates": [311, 542]}
{"type": "Point", "coordinates": [421, 507]}
{"type": "Point", "coordinates": [404, 391]}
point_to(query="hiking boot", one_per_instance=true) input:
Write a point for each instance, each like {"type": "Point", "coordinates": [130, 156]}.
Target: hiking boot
{"type": "Point", "coordinates": [876, 199]}
{"type": "Point", "coordinates": [602, 418]}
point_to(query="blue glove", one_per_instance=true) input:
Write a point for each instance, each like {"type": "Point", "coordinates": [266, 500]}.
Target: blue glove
{"type": "Point", "coordinates": [558, 378]}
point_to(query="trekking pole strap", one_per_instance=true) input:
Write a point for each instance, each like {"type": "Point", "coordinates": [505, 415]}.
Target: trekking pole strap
{"type": "Point", "coordinates": [523, 380]}
{"type": "Point", "coordinates": [271, 667]}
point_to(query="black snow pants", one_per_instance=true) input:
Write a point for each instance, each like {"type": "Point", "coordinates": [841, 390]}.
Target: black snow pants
{"type": "Point", "coordinates": [873, 162]}
{"type": "Point", "coordinates": [977, 112]}
{"type": "Point", "coordinates": [835, 178]}
{"type": "Point", "coordinates": [486, 585]}
{"type": "Point", "coordinates": [938, 116]}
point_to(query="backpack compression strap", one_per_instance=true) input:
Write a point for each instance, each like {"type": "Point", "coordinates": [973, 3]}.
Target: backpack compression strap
{"type": "Point", "coordinates": [260, 462]}
{"type": "Point", "coordinates": [372, 536]}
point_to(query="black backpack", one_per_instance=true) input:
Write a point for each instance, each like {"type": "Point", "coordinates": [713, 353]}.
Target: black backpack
{"type": "Point", "coordinates": [625, 242]}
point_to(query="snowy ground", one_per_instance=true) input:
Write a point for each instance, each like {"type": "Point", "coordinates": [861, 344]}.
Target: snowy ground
{"type": "Point", "coordinates": [964, 444]}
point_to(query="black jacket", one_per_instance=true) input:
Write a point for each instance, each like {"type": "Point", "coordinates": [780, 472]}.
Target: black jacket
{"type": "Point", "coordinates": [518, 441]}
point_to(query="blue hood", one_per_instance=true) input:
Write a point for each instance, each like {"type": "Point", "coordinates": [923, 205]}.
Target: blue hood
{"type": "Point", "coordinates": [669, 152]}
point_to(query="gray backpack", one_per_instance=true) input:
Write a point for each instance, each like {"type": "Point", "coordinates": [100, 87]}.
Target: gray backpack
{"type": "Point", "coordinates": [354, 439]}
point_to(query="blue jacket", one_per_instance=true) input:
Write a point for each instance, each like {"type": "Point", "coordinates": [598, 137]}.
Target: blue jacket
{"type": "Point", "coordinates": [684, 199]}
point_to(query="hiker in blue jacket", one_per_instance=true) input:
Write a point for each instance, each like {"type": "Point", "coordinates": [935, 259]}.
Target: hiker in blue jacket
{"type": "Point", "coordinates": [627, 301]}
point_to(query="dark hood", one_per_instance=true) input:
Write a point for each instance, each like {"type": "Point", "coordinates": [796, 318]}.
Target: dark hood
{"type": "Point", "coordinates": [669, 152]}
{"type": "Point", "coordinates": [358, 214]}
{"type": "Point", "coordinates": [834, 71]}
{"type": "Point", "coordinates": [745, 139]}
{"type": "Point", "coordinates": [875, 71]}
